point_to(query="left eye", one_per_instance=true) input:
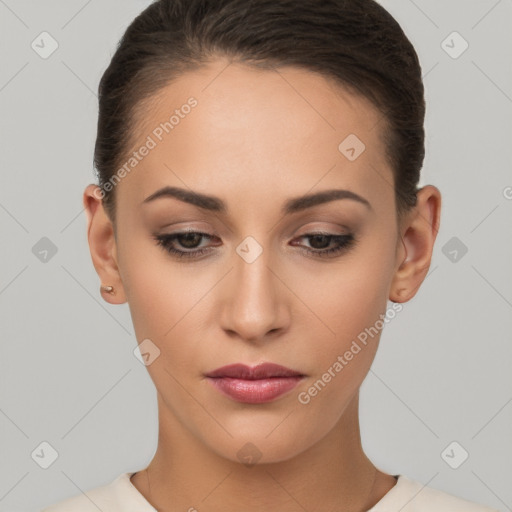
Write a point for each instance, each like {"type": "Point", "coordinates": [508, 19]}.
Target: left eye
{"type": "Point", "coordinates": [191, 240]}
{"type": "Point", "coordinates": [322, 240]}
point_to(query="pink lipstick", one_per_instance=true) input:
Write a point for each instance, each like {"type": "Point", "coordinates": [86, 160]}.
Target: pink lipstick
{"type": "Point", "coordinates": [254, 385]}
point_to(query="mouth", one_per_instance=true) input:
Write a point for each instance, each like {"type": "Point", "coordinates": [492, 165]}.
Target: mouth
{"type": "Point", "coordinates": [254, 385]}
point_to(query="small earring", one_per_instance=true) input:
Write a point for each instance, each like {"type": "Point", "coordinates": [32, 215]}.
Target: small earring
{"type": "Point", "coordinates": [108, 289]}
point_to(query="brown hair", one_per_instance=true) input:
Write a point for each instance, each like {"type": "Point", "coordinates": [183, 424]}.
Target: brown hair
{"type": "Point", "coordinates": [356, 42]}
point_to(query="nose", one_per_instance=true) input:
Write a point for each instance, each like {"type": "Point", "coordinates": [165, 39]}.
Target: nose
{"type": "Point", "coordinates": [255, 301]}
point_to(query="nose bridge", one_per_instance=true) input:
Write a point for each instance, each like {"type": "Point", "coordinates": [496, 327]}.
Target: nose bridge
{"type": "Point", "coordinates": [253, 304]}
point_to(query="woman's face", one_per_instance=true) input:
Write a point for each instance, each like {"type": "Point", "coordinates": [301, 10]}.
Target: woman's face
{"type": "Point", "coordinates": [250, 292]}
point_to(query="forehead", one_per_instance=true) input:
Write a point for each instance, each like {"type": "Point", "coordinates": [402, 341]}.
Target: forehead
{"type": "Point", "coordinates": [230, 128]}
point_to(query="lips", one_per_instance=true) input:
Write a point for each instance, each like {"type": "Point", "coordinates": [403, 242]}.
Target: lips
{"type": "Point", "coordinates": [262, 371]}
{"type": "Point", "coordinates": [254, 385]}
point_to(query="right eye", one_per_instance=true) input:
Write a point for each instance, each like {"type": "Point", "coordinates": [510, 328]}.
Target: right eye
{"type": "Point", "coordinates": [186, 239]}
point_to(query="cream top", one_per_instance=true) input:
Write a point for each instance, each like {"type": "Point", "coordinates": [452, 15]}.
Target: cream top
{"type": "Point", "coordinates": [407, 495]}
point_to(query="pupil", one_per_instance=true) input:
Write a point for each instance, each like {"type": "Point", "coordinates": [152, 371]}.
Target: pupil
{"type": "Point", "coordinates": [322, 238]}
{"type": "Point", "coordinates": [190, 237]}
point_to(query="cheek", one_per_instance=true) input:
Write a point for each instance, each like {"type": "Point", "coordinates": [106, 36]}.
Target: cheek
{"type": "Point", "coordinates": [161, 305]}
{"type": "Point", "coordinates": [351, 307]}
{"type": "Point", "coordinates": [154, 287]}
{"type": "Point", "coordinates": [166, 305]}
{"type": "Point", "coordinates": [349, 302]}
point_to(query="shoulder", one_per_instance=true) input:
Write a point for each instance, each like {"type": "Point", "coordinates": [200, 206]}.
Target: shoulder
{"type": "Point", "coordinates": [117, 496]}
{"type": "Point", "coordinates": [411, 496]}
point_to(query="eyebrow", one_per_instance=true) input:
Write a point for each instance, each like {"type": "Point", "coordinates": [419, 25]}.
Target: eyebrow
{"type": "Point", "coordinates": [293, 205]}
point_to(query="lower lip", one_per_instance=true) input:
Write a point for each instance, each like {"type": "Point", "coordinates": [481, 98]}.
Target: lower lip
{"type": "Point", "coordinates": [254, 391]}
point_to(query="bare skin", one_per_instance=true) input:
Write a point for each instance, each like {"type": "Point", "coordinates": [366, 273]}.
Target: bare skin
{"type": "Point", "coordinates": [255, 139]}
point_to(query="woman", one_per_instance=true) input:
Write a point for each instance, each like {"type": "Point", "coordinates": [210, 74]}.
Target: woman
{"type": "Point", "coordinates": [257, 208]}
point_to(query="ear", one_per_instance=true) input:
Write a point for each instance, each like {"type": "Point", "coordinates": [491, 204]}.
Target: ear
{"type": "Point", "coordinates": [102, 244]}
{"type": "Point", "coordinates": [418, 234]}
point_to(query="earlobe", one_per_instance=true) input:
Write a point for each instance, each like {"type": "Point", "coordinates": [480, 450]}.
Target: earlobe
{"type": "Point", "coordinates": [418, 237]}
{"type": "Point", "coordinates": [397, 294]}
{"type": "Point", "coordinates": [102, 245]}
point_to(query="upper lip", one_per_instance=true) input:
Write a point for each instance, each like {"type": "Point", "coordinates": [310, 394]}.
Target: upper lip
{"type": "Point", "coordinates": [261, 371]}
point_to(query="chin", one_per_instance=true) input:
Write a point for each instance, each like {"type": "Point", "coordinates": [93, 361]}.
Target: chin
{"type": "Point", "coordinates": [258, 445]}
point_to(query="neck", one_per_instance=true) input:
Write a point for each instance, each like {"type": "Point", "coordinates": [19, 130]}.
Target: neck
{"type": "Point", "coordinates": [334, 474]}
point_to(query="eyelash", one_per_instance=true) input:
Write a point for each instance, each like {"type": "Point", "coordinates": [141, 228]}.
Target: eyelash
{"type": "Point", "coordinates": [345, 242]}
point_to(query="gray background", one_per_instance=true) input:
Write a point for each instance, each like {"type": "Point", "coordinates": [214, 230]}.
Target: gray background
{"type": "Point", "coordinates": [67, 369]}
